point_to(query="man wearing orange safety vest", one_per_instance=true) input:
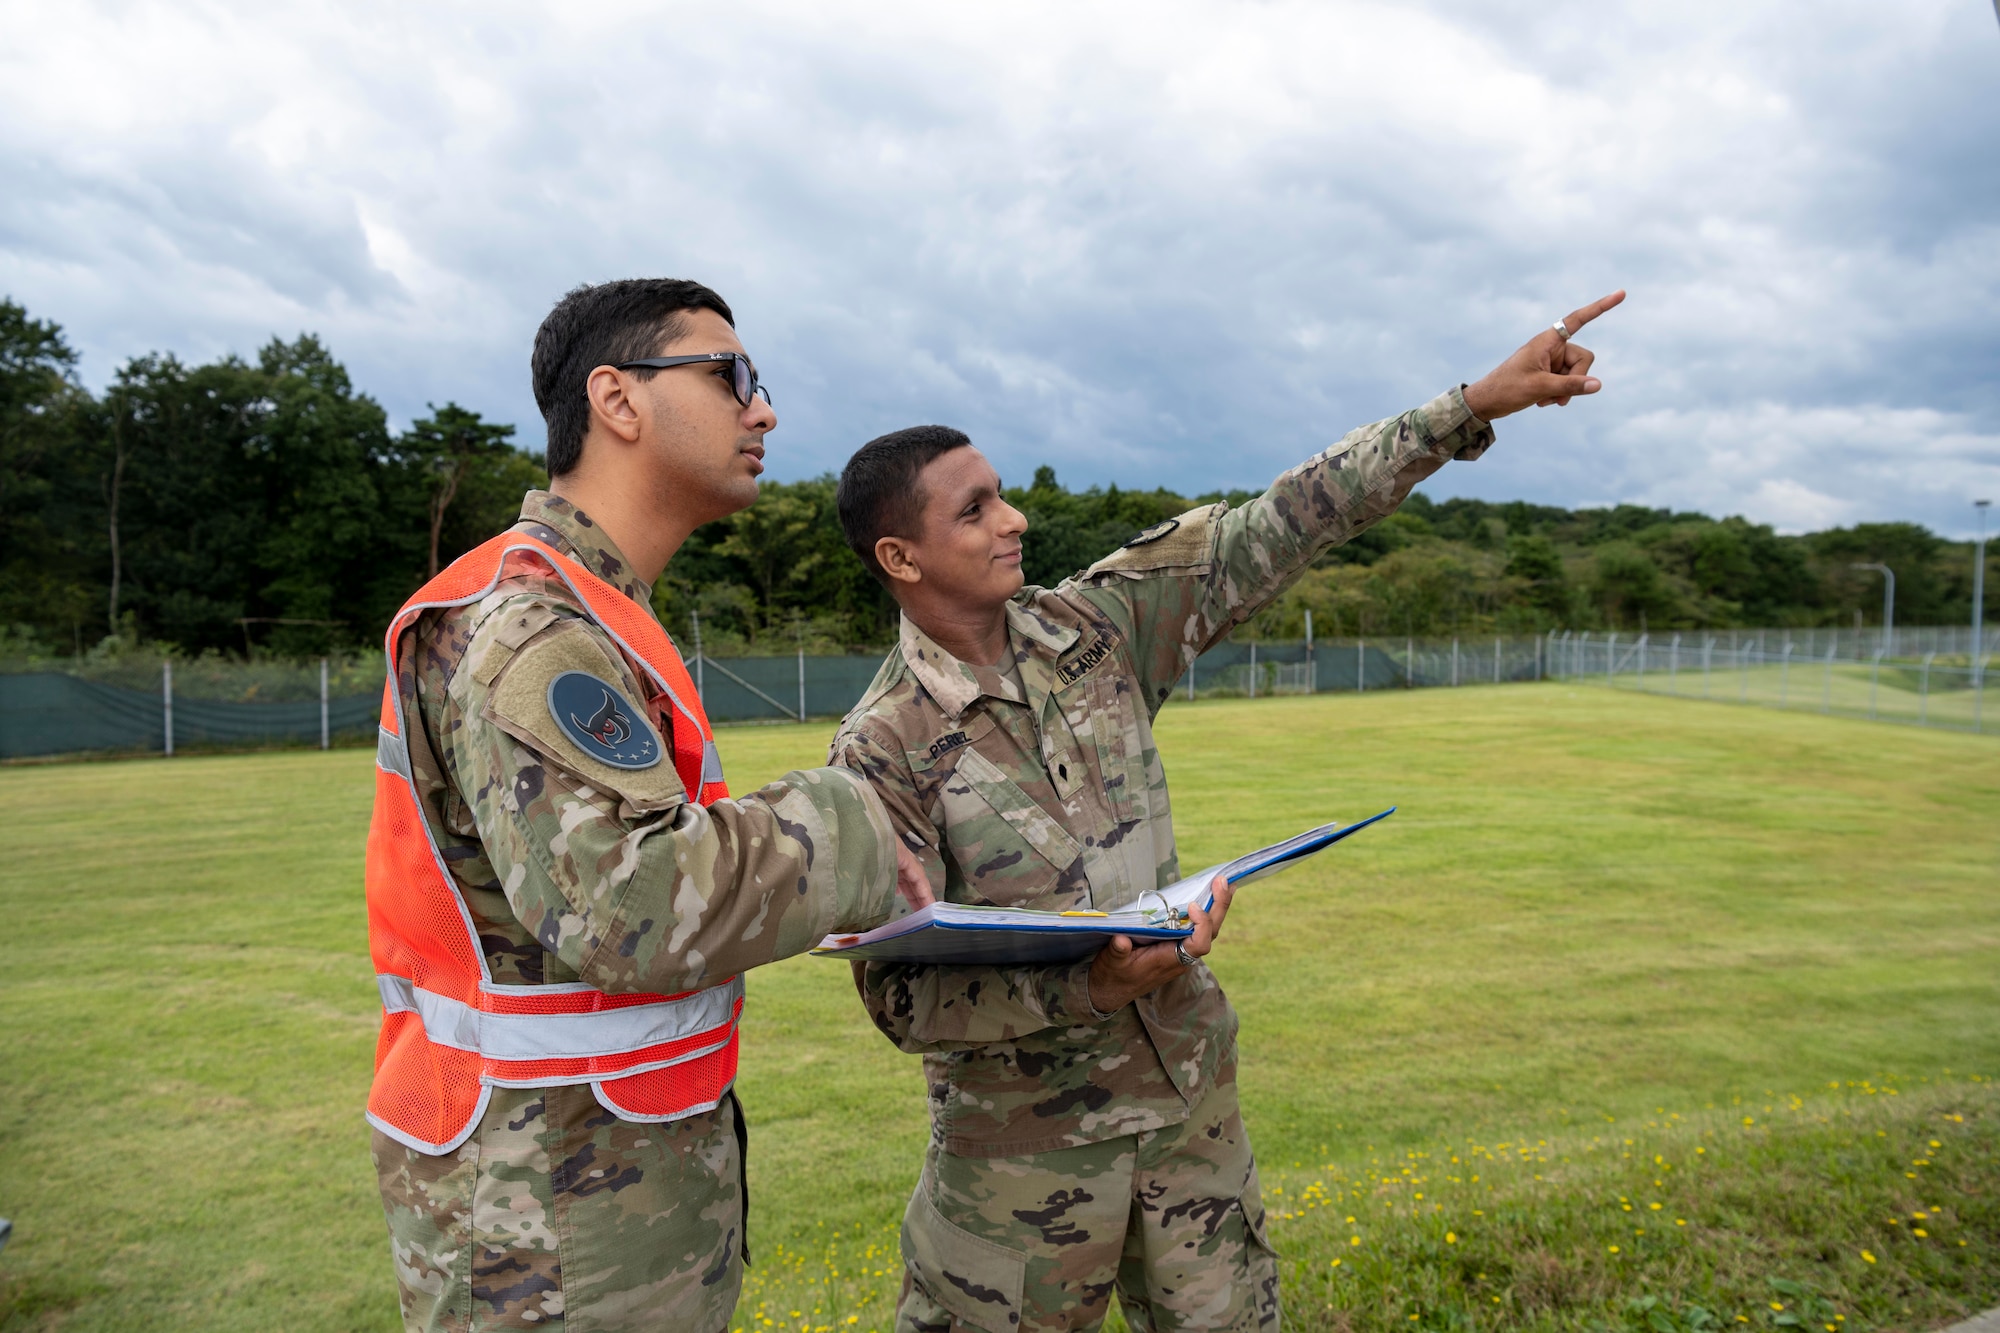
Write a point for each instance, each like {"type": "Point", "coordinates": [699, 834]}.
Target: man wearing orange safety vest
{"type": "Point", "coordinates": [562, 895]}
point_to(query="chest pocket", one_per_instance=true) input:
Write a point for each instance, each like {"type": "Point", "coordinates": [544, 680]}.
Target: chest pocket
{"type": "Point", "coordinates": [1102, 714]}
{"type": "Point", "coordinates": [1009, 849]}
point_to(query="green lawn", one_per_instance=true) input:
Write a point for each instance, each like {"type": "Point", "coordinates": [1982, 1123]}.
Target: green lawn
{"type": "Point", "coordinates": [1895, 691]}
{"type": "Point", "coordinates": [1600, 916]}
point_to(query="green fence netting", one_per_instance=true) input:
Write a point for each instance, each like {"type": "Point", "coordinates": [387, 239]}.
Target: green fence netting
{"type": "Point", "coordinates": [121, 706]}
{"type": "Point", "coordinates": [50, 712]}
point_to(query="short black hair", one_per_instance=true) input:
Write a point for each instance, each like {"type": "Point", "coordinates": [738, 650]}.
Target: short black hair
{"type": "Point", "coordinates": [604, 325]}
{"type": "Point", "coordinates": [880, 492]}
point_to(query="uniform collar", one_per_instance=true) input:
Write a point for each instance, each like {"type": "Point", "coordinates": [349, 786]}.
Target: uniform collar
{"type": "Point", "coordinates": [1036, 643]}
{"type": "Point", "coordinates": [571, 531]}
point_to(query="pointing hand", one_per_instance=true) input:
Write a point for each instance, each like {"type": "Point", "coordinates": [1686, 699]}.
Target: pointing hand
{"type": "Point", "coordinates": [1548, 368]}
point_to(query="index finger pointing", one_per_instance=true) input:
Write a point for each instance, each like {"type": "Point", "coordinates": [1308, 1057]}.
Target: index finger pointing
{"type": "Point", "coordinates": [1581, 316]}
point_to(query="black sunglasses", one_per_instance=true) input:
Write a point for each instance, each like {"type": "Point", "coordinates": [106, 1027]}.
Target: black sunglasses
{"type": "Point", "coordinates": [742, 375]}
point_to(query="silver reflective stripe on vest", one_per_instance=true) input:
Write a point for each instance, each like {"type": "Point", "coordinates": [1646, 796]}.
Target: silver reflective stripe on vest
{"type": "Point", "coordinates": [391, 755]}
{"type": "Point", "coordinates": [454, 1023]}
{"type": "Point", "coordinates": [711, 763]}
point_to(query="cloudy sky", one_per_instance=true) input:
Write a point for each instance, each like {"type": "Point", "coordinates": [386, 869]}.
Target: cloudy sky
{"type": "Point", "coordinates": [1173, 243]}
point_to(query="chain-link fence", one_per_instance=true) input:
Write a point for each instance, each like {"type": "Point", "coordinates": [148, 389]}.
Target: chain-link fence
{"type": "Point", "coordinates": [144, 703]}
{"type": "Point", "coordinates": [1925, 676]}
{"type": "Point", "coordinates": [1251, 669]}
{"type": "Point", "coordinates": [1928, 676]}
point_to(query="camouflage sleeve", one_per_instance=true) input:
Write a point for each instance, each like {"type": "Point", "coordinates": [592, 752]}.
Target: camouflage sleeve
{"type": "Point", "coordinates": [1184, 585]}
{"type": "Point", "coordinates": [921, 1008]}
{"type": "Point", "coordinates": [613, 869]}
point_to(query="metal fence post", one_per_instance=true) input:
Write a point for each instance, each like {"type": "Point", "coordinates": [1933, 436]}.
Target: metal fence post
{"type": "Point", "coordinates": [1826, 685]}
{"type": "Point", "coordinates": [1312, 662]}
{"type": "Point", "coordinates": [1191, 665]}
{"type": "Point", "coordinates": [1360, 665]}
{"type": "Point", "coordinates": [1610, 654]}
{"type": "Point", "coordinates": [699, 692]}
{"type": "Point", "coordinates": [1409, 664]}
{"type": "Point", "coordinates": [1785, 675]}
{"type": "Point", "coordinates": [1707, 648]}
{"type": "Point", "coordinates": [802, 681]}
{"type": "Point", "coordinates": [1641, 649]}
{"type": "Point", "coordinates": [1924, 692]}
{"type": "Point", "coordinates": [1874, 676]}
{"type": "Point", "coordinates": [1496, 659]}
{"type": "Point", "coordinates": [1454, 661]}
{"type": "Point", "coordinates": [1674, 667]}
{"type": "Point", "coordinates": [167, 700]}
{"type": "Point", "coordinates": [325, 740]}
{"type": "Point", "coordinates": [1978, 654]}
{"type": "Point", "coordinates": [1253, 668]}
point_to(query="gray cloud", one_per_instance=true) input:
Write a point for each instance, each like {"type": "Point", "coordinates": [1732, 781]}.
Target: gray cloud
{"type": "Point", "coordinates": [1177, 244]}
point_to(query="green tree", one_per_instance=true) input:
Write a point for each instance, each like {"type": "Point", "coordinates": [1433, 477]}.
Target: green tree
{"type": "Point", "coordinates": [1534, 561]}
{"type": "Point", "coordinates": [48, 530]}
{"type": "Point", "coordinates": [1071, 530]}
{"type": "Point", "coordinates": [447, 449]}
{"type": "Point", "coordinates": [251, 507]}
{"type": "Point", "coordinates": [1628, 587]}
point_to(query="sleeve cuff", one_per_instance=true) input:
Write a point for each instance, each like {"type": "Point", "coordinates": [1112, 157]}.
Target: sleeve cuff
{"type": "Point", "coordinates": [865, 883]}
{"type": "Point", "coordinates": [1072, 992]}
{"type": "Point", "coordinates": [1453, 430]}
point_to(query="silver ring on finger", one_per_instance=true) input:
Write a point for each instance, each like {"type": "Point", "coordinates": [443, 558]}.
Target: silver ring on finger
{"type": "Point", "coordinates": [1562, 330]}
{"type": "Point", "coordinates": [1180, 952]}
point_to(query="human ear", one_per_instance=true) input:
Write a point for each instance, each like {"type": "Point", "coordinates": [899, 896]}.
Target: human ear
{"type": "Point", "coordinates": [611, 403]}
{"type": "Point", "coordinates": [898, 559]}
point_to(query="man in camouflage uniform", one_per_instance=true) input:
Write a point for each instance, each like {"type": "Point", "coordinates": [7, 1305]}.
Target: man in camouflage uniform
{"type": "Point", "coordinates": [555, 1212]}
{"type": "Point", "coordinates": [1085, 1128]}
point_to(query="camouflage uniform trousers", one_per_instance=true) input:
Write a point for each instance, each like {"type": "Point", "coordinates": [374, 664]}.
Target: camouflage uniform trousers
{"type": "Point", "coordinates": [557, 1214]}
{"type": "Point", "coordinates": [1172, 1218]}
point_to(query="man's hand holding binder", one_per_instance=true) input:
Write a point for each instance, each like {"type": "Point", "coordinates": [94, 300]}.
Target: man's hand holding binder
{"type": "Point", "coordinates": [911, 881]}
{"type": "Point", "coordinates": [1123, 971]}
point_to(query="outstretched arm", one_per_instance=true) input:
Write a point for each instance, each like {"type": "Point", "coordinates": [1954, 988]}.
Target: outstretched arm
{"type": "Point", "coordinates": [1182, 587]}
{"type": "Point", "coordinates": [614, 871]}
{"type": "Point", "coordinates": [1548, 369]}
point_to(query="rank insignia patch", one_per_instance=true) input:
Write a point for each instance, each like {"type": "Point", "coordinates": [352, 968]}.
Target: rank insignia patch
{"type": "Point", "coordinates": [600, 720]}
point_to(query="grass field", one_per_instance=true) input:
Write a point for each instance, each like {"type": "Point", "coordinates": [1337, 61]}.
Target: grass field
{"type": "Point", "coordinates": [1615, 951]}
{"type": "Point", "coordinates": [1895, 691]}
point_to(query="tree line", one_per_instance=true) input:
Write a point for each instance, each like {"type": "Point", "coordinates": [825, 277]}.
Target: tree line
{"type": "Point", "coordinates": [266, 509]}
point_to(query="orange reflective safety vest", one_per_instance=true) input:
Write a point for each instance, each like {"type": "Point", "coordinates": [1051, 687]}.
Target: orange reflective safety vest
{"type": "Point", "coordinates": [449, 1034]}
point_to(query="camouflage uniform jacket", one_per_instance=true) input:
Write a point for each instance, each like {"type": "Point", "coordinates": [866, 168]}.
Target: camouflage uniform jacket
{"type": "Point", "coordinates": [1058, 800]}
{"type": "Point", "coordinates": [577, 871]}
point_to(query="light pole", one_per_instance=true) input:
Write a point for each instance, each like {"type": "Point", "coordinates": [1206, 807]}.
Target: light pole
{"type": "Point", "coordinates": [1979, 574]}
{"type": "Point", "coordinates": [1888, 601]}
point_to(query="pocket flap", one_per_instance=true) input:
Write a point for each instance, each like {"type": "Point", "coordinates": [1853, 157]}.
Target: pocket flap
{"type": "Point", "coordinates": [978, 1280]}
{"type": "Point", "coordinates": [1035, 825]}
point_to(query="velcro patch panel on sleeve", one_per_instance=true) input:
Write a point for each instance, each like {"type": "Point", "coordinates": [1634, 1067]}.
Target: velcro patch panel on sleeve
{"type": "Point", "coordinates": [568, 695]}
{"type": "Point", "coordinates": [1183, 545]}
